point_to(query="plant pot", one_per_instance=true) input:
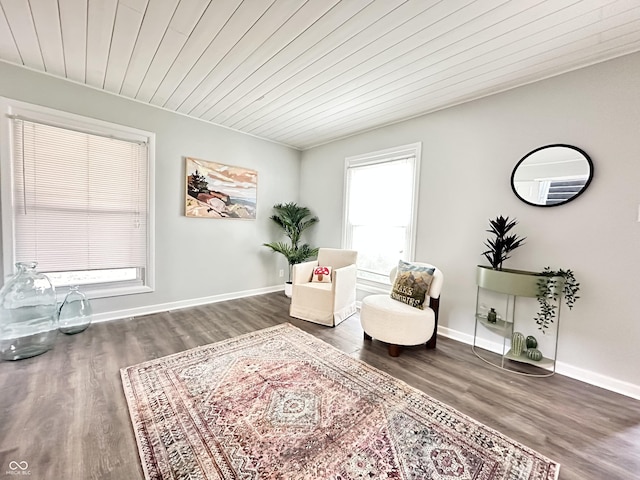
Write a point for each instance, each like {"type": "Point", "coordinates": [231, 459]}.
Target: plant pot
{"type": "Point", "coordinates": [521, 283]}
{"type": "Point", "coordinates": [511, 282]}
{"type": "Point", "coordinates": [288, 289]}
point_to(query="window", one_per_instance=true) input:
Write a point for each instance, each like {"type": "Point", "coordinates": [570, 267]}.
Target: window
{"type": "Point", "coordinates": [380, 209]}
{"type": "Point", "coordinates": [77, 199]}
{"type": "Point", "coordinates": [561, 190]}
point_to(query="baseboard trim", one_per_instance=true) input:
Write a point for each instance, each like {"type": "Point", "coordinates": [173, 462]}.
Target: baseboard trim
{"type": "Point", "coordinates": [455, 335]}
{"type": "Point", "coordinates": [586, 376]}
{"type": "Point", "coordinates": [194, 302]}
{"type": "Point", "coordinates": [599, 380]}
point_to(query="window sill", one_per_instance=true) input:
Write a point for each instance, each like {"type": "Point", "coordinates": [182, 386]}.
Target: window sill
{"type": "Point", "coordinates": [104, 291]}
{"type": "Point", "coordinates": [373, 287]}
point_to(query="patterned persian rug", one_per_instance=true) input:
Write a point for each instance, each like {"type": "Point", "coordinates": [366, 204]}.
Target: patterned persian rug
{"type": "Point", "coordinates": [280, 404]}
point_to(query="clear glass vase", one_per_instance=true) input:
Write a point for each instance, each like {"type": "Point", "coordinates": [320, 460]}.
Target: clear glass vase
{"type": "Point", "coordinates": [75, 312]}
{"type": "Point", "coordinates": [28, 314]}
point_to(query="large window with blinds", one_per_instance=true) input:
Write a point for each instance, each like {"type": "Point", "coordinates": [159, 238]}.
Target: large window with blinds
{"type": "Point", "coordinates": [380, 209]}
{"type": "Point", "coordinates": [77, 199]}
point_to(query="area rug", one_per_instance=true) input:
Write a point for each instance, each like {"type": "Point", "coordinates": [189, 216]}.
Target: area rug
{"type": "Point", "coordinates": [281, 404]}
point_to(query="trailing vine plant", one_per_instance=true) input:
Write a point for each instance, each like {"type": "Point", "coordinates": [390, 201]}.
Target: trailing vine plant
{"type": "Point", "coordinates": [548, 294]}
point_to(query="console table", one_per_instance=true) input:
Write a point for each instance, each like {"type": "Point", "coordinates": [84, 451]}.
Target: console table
{"type": "Point", "coordinates": [513, 284]}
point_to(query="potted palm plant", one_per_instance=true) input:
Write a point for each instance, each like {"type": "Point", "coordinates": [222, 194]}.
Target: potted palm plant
{"type": "Point", "coordinates": [294, 220]}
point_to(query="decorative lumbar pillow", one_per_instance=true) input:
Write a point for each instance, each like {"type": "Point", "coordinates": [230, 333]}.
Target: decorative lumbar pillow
{"type": "Point", "coordinates": [412, 284]}
{"type": "Point", "coordinates": [321, 274]}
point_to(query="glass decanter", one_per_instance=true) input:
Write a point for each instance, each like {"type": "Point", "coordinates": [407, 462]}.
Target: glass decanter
{"type": "Point", "coordinates": [75, 312]}
{"type": "Point", "coordinates": [28, 314]}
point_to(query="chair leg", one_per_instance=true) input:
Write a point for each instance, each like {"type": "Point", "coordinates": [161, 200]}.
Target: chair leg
{"type": "Point", "coordinates": [394, 350]}
{"type": "Point", "coordinates": [434, 303]}
{"type": "Point", "coordinates": [367, 336]}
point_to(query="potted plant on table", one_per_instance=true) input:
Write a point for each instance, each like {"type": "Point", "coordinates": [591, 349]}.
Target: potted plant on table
{"type": "Point", "coordinates": [499, 248]}
{"type": "Point", "coordinates": [294, 220]}
{"type": "Point", "coordinates": [546, 286]}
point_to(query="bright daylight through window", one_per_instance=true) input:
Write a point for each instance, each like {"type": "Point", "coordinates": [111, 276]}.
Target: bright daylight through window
{"type": "Point", "coordinates": [380, 209]}
{"type": "Point", "coordinates": [76, 199]}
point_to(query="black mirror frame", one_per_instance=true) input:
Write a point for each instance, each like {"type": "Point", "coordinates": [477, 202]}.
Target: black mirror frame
{"type": "Point", "coordinates": [579, 150]}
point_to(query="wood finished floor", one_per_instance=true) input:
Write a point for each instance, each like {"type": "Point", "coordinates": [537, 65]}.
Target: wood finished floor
{"type": "Point", "coordinates": [64, 412]}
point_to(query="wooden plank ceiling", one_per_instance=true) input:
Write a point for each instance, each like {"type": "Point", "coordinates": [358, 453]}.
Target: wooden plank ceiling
{"type": "Point", "coordinates": [306, 72]}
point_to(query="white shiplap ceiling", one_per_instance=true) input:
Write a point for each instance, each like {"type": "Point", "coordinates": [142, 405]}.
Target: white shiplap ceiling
{"type": "Point", "coordinates": [306, 72]}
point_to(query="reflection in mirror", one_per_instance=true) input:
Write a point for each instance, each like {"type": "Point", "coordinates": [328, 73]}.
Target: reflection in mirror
{"type": "Point", "coordinates": [552, 175]}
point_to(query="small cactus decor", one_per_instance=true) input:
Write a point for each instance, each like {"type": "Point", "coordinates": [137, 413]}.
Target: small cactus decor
{"type": "Point", "coordinates": [534, 354]}
{"type": "Point", "coordinates": [518, 343]}
{"type": "Point", "coordinates": [532, 342]}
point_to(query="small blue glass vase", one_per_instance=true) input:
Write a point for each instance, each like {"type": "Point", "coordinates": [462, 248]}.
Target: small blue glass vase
{"type": "Point", "coordinates": [75, 312]}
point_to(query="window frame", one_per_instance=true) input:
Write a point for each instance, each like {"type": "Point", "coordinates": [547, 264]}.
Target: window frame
{"type": "Point", "coordinates": [10, 108]}
{"type": "Point", "coordinates": [378, 157]}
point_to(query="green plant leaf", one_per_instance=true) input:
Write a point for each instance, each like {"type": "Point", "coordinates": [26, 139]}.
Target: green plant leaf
{"type": "Point", "coordinates": [548, 292]}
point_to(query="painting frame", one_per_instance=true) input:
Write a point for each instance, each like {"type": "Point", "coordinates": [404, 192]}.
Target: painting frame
{"type": "Point", "coordinates": [219, 190]}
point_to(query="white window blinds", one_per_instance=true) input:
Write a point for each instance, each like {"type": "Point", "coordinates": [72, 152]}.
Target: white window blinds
{"type": "Point", "coordinates": [79, 199]}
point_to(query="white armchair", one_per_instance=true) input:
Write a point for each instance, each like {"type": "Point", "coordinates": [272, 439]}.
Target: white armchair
{"type": "Point", "coordinates": [399, 324]}
{"type": "Point", "coordinates": [325, 303]}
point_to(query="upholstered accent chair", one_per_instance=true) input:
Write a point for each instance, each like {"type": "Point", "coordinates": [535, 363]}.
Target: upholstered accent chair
{"type": "Point", "coordinates": [399, 324]}
{"type": "Point", "coordinates": [325, 302]}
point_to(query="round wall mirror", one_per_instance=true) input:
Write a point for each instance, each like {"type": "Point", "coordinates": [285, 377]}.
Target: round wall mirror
{"type": "Point", "coordinates": [552, 175]}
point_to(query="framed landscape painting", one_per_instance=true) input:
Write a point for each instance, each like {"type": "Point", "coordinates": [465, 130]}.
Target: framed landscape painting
{"type": "Point", "coordinates": [215, 190]}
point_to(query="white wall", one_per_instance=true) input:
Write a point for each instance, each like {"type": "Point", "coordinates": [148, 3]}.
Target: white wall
{"type": "Point", "coordinates": [195, 258]}
{"type": "Point", "coordinates": [468, 153]}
